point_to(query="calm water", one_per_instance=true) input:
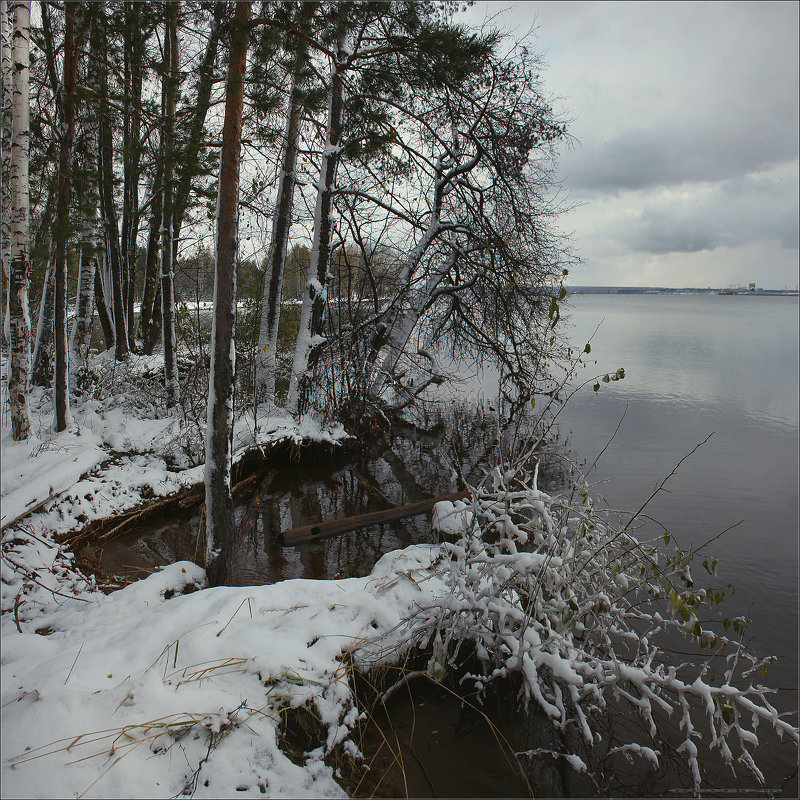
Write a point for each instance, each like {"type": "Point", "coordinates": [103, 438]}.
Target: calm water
{"type": "Point", "coordinates": [698, 365]}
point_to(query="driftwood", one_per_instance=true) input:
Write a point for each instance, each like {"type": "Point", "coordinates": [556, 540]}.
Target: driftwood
{"type": "Point", "coordinates": [322, 530]}
{"type": "Point", "coordinates": [30, 510]}
{"type": "Point", "coordinates": [105, 528]}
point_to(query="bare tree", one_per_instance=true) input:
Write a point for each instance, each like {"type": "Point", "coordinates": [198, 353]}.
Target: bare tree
{"type": "Point", "coordinates": [219, 502]}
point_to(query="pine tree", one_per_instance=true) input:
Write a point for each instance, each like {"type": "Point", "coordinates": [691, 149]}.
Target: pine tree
{"type": "Point", "coordinates": [219, 502]}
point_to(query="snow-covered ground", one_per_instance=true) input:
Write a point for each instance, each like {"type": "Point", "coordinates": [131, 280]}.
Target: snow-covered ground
{"type": "Point", "coordinates": [157, 689]}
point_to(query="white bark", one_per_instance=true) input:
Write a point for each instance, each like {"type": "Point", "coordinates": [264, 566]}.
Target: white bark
{"type": "Point", "coordinates": [404, 326]}
{"type": "Point", "coordinates": [19, 378]}
{"type": "Point", "coordinates": [81, 333]}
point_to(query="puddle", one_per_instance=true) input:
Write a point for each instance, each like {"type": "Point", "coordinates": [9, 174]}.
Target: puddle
{"type": "Point", "coordinates": [409, 467]}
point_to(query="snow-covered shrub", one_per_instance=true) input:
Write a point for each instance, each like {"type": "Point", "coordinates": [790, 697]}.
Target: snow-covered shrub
{"type": "Point", "coordinates": [552, 590]}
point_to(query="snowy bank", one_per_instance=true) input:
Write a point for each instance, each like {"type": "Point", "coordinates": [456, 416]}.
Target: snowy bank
{"type": "Point", "coordinates": [148, 692]}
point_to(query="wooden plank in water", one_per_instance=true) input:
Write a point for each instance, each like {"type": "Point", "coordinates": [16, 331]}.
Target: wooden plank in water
{"type": "Point", "coordinates": [322, 530]}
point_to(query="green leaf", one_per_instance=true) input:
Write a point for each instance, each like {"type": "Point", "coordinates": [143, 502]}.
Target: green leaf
{"type": "Point", "coordinates": [666, 537]}
{"type": "Point", "coordinates": [588, 348]}
{"type": "Point", "coordinates": [533, 402]}
{"type": "Point", "coordinates": [685, 613]}
{"type": "Point", "coordinates": [554, 313]}
{"type": "Point", "coordinates": [596, 387]}
{"type": "Point", "coordinates": [727, 714]}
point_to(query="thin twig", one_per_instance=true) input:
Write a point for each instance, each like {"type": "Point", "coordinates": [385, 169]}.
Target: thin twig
{"type": "Point", "coordinates": [73, 665]}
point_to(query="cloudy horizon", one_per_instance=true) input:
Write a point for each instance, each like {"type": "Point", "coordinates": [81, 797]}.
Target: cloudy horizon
{"type": "Point", "coordinates": [685, 170]}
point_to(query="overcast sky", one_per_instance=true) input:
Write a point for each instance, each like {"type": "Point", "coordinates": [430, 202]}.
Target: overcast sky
{"type": "Point", "coordinates": [686, 116]}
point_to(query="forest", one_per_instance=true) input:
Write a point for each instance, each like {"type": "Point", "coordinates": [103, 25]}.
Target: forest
{"type": "Point", "coordinates": [231, 224]}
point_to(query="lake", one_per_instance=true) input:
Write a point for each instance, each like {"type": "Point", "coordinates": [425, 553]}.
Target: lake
{"type": "Point", "coordinates": [697, 365]}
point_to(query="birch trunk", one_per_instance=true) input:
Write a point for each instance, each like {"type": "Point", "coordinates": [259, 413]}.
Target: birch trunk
{"type": "Point", "coordinates": [63, 417]}
{"type": "Point", "coordinates": [281, 222]}
{"type": "Point", "coordinates": [309, 337]}
{"type": "Point", "coordinates": [19, 316]}
{"type": "Point", "coordinates": [219, 503]}
{"type": "Point", "coordinates": [5, 163]}
{"type": "Point", "coordinates": [171, 57]}
{"type": "Point", "coordinates": [81, 333]}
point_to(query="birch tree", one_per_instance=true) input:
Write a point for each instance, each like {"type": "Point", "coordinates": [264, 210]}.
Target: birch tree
{"type": "Point", "coordinates": [19, 317]}
{"type": "Point", "coordinates": [5, 161]}
{"type": "Point", "coordinates": [219, 502]}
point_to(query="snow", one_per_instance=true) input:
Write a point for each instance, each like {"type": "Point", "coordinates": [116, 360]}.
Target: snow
{"type": "Point", "coordinates": [165, 685]}
{"type": "Point", "coordinates": [452, 518]}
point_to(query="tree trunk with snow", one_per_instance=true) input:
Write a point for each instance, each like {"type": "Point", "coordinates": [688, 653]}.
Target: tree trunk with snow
{"type": "Point", "coordinates": [172, 60]}
{"type": "Point", "coordinates": [42, 371]}
{"type": "Point", "coordinates": [19, 316]}
{"type": "Point", "coordinates": [5, 162]}
{"type": "Point", "coordinates": [107, 207]}
{"type": "Point", "coordinates": [81, 333]}
{"type": "Point", "coordinates": [281, 222]}
{"type": "Point", "coordinates": [134, 52]}
{"type": "Point", "coordinates": [309, 337]}
{"type": "Point", "coordinates": [102, 306]}
{"type": "Point", "coordinates": [149, 325]}
{"type": "Point", "coordinates": [63, 417]}
{"type": "Point", "coordinates": [219, 502]}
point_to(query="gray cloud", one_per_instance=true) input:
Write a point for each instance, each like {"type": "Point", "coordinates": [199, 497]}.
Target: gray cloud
{"type": "Point", "coordinates": [734, 213]}
{"type": "Point", "coordinates": [639, 159]}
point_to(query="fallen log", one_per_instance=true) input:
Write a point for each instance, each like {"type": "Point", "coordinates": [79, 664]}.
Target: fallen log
{"type": "Point", "coordinates": [334, 527]}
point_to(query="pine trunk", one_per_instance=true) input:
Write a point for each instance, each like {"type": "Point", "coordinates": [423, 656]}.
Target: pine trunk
{"type": "Point", "coordinates": [63, 415]}
{"type": "Point", "coordinates": [309, 337]}
{"type": "Point", "coordinates": [219, 503]}
{"type": "Point", "coordinates": [19, 316]}
{"type": "Point", "coordinates": [107, 208]}
{"type": "Point", "coordinates": [171, 58]}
